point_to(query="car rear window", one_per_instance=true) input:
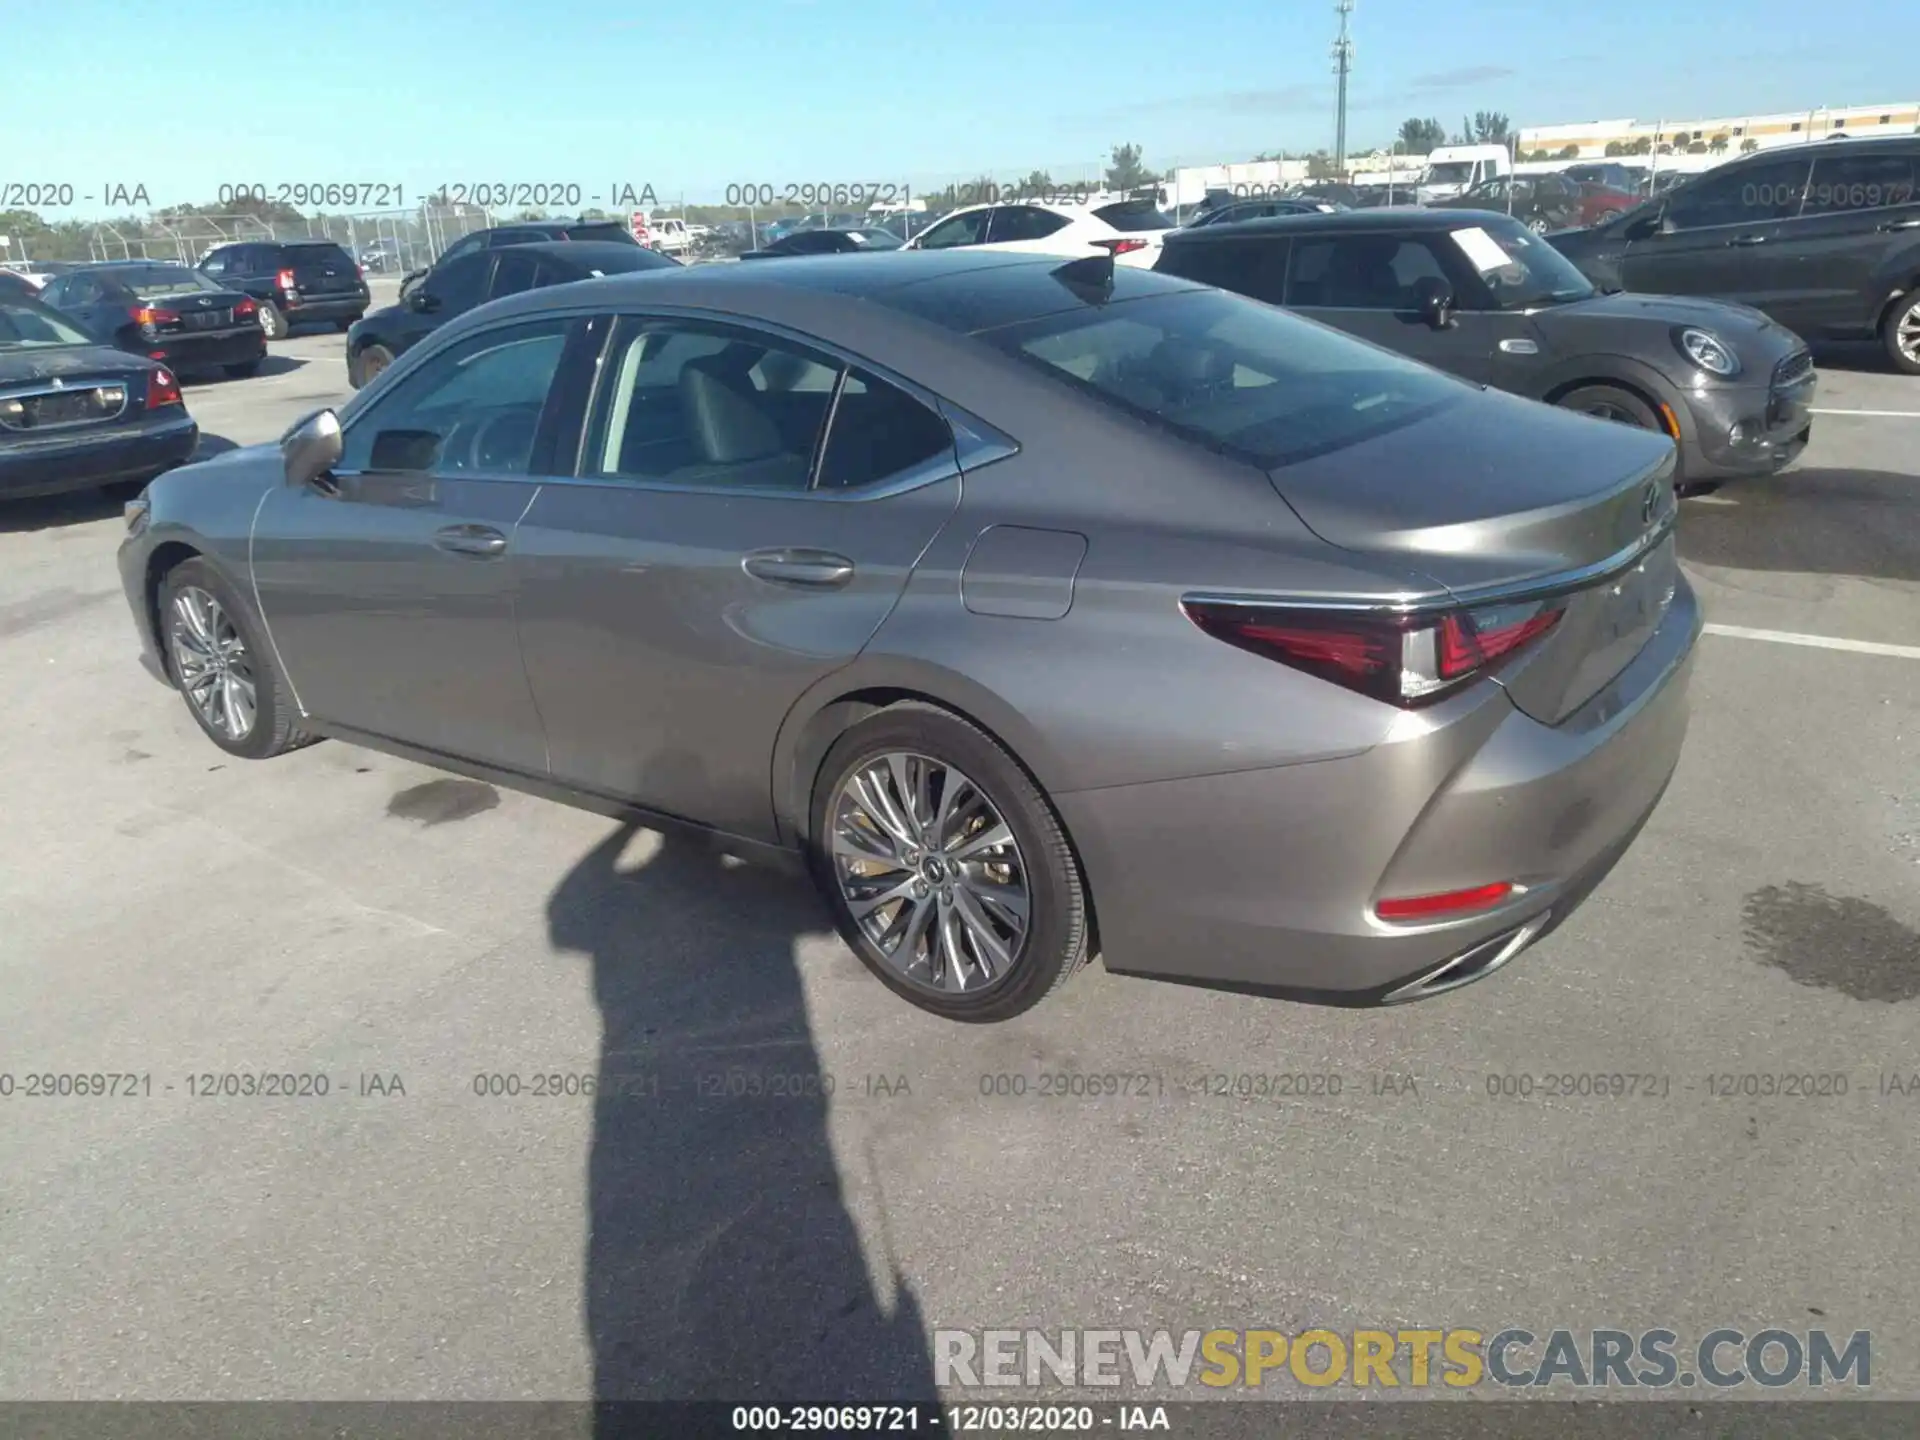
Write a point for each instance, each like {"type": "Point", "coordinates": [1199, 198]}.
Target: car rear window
{"type": "Point", "coordinates": [155, 280]}
{"type": "Point", "coordinates": [607, 231]}
{"type": "Point", "coordinates": [1235, 376]}
{"type": "Point", "coordinates": [322, 254]}
{"type": "Point", "coordinates": [1130, 215]}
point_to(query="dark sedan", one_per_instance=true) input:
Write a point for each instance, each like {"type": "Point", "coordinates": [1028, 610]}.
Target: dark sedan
{"type": "Point", "coordinates": [1046, 608]}
{"type": "Point", "coordinates": [1477, 294]}
{"type": "Point", "coordinates": [453, 287]}
{"type": "Point", "coordinates": [526, 232]}
{"type": "Point", "coordinates": [827, 242]}
{"type": "Point", "coordinates": [76, 414]}
{"type": "Point", "coordinates": [1233, 212]}
{"type": "Point", "coordinates": [164, 312]}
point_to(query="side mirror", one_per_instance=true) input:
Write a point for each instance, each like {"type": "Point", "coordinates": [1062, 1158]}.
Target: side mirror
{"type": "Point", "coordinates": [1435, 299]}
{"type": "Point", "coordinates": [1645, 227]}
{"type": "Point", "coordinates": [311, 448]}
{"type": "Point", "coordinates": [423, 300]}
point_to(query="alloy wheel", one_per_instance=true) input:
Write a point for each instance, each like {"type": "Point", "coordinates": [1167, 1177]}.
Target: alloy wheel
{"type": "Point", "coordinates": [1907, 335]}
{"type": "Point", "coordinates": [930, 872]}
{"type": "Point", "coordinates": [210, 657]}
{"type": "Point", "coordinates": [1604, 410]}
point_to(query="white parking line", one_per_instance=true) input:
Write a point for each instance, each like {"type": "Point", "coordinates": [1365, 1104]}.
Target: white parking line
{"type": "Point", "coordinates": [1883, 414]}
{"type": "Point", "coordinates": [1817, 642]}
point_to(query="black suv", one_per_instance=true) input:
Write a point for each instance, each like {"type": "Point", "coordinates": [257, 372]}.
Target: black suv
{"type": "Point", "coordinates": [1478, 294]}
{"type": "Point", "coordinates": [292, 281]}
{"type": "Point", "coordinates": [528, 232]}
{"type": "Point", "coordinates": [1824, 238]}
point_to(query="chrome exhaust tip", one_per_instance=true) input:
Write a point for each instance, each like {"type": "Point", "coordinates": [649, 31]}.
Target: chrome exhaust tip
{"type": "Point", "coordinates": [1475, 963]}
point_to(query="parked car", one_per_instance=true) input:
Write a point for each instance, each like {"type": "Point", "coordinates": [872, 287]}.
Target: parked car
{"type": "Point", "coordinates": [1480, 296]}
{"type": "Point", "coordinates": [76, 414]}
{"type": "Point", "coordinates": [1129, 230]}
{"type": "Point", "coordinates": [1825, 238]}
{"type": "Point", "coordinates": [1246, 655]}
{"type": "Point", "coordinates": [453, 287]}
{"type": "Point", "coordinates": [1539, 202]}
{"type": "Point", "coordinates": [1452, 170]}
{"type": "Point", "coordinates": [292, 282]}
{"type": "Point", "coordinates": [15, 286]}
{"type": "Point", "coordinates": [1603, 202]}
{"type": "Point", "coordinates": [671, 236]}
{"type": "Point", "coordinates": [1238, 210]}
{"type": "Point", "coordinates": [382, 257]}
{"type": "Point", "coordinates": [37, 272]}
{"type": "Point", "coordinates": [168, 313]}
{"type": "Point", "coordinates": [528, 232]}
{"type": "Point", "coordinates": [827, 242]}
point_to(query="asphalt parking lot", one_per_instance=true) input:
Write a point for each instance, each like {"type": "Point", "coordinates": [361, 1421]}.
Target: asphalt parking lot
{"type": "Point", "coordinates": [168, 912]}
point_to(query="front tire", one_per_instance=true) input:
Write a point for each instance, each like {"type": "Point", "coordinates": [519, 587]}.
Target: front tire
{"type": "Point", "coordinates": [1610, 402]}
{"type": "Point", "coordinates": [947, 871]}
{"type": "Point", "coordinates": [273, 321]}
{"type": "Point", "coordinates": [222, 666]}
{"type": "Point", "coordinates": [363, 368]}
{"type": "Point", "coordinates": [1900, 333]}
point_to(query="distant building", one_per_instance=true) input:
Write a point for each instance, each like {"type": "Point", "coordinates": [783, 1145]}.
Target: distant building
{"type": "Point", "coordinates": [1727, 135]}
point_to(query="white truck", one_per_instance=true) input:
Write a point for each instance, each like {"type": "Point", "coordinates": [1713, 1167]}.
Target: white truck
{"type": "Point", "coordinates": [671, 236]}
{"type": "Point", "coordinates": [1453, 170]}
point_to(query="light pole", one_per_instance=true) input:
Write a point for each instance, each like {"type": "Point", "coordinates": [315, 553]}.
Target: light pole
{"type": "Point", "coordinates": [1342, 65]}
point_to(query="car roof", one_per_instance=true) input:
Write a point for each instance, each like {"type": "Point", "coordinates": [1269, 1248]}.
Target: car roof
{"type": "Point", "coordinates": [579, 252]}
{"type": "Point", "coordinates": [1387, 219]}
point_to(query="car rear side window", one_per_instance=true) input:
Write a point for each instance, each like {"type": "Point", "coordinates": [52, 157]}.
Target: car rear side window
{"type": "Point", "coordinates": [1237, 377]}
{"type": "Point", "coordinates": [1024, 222]}
{"type": "Point", "coordinates": [473, 408]}
{"type": "Point", "coordinates": [1253, 266]}
{"type": "Point", "coordinates": [878, 431]}
{"type": "Point", "coordinates": [710, 407]}
{"type": "Point", "coordinates": [513, 271]}
{"type": "Point", "coordinates": [1875, 181]}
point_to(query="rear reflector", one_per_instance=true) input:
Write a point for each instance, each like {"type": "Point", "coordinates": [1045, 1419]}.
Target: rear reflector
{"type": "Point", "coordinates": [1451, 902]}
{"type": "Point", "coordinates": [1406, 660]}
{"type": "Point", "coordinates": [162, 389]}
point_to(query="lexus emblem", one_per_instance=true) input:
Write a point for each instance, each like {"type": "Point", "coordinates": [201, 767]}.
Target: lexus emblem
{"type": "Point", "coordinates": [1649, 502]}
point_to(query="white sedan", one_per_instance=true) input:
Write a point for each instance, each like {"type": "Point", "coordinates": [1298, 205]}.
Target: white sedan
{"type": "Point", "coordinates": [1129, 230]}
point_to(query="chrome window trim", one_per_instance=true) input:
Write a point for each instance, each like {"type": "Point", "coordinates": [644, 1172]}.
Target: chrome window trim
{"type": "Point", "coordinates": [1542, 587]}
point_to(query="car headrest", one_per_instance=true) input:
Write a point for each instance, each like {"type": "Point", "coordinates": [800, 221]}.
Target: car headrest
{"type": "Point", "coordinates": [728, 428]}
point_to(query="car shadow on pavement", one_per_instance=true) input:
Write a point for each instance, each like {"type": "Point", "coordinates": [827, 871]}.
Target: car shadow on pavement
{"type": "Point", "coordinates": [53, 512]}
{"type": "Point", "coordinates": [722, 1261]}
{"type": "Point", "coordinates": [272, 364]}
{"type": "Point", "coordinates": [1866, 357]}
{"type": "Point", "coordinates": [1813, 521]}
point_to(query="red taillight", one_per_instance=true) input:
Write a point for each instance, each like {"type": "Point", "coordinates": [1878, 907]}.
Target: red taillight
{"type": "Point", "coordinates": [1406, 660]}
{"type": "Point", "coordinates": [284, 280]}
{"type": "Point", "coordinates": [244, 309]}
{"type": "Point", "coordinates": [162, 389]}
{"type": "Point", "coordinates": [1121, 247]}
{"type": "Point", "coordinates": [1450, 902]}
{"type": "Point", "coordinates": [152, 318]}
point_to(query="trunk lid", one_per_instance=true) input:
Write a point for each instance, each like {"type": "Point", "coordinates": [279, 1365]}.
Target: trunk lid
{"type": "Point", "coordinates": [322, 269]}
{"type": "Point", "coordinates": [1561, 505]}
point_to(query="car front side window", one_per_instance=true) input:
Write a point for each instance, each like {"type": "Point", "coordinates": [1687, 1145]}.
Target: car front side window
{"type": "Point", "coordinates": [474, 408]}
{"type": "Point", "coordinates": [968, 229]}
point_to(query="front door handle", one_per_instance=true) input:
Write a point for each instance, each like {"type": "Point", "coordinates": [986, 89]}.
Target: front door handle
{"type": "Point", "coordinates": [1901, 225]}
{"type": "Point", "coordinates": [1748, 240]}
{"type": "Point", "coordinates": [814, 569]}
{"type": "Point", "coordinates": [480, 540]}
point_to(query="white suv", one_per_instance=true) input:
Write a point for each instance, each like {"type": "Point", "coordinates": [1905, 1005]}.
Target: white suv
{"type": "Point", "coordinates": [670, 237]}
{"type": "Point", "coordinates": [1129, 230]}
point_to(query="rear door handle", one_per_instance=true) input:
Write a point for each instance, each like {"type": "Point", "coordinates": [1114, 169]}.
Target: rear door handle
{"type": "Point", "coordinates": [480, 540]}
{"type": "Point", "coordinates": [814, 569]}
{"type": "Point", "coordinates": [1748, 240]}
{"type": "Point", "coordinates": [1901, 225]}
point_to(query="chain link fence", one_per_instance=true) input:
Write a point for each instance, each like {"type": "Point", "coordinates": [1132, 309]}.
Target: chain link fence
{"type": "Point", "coordinates": [384, 241]}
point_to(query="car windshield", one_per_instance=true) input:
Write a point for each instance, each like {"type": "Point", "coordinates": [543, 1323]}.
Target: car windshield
{"type": "Point", "coordinates": [154, 280]}
{"type": "Point", "coordinates": [1522, 270]}
{"type": "Point", "coordinates": [1230, 374]}
{"type": "Point", "coordinates": [29, 325]}
{"type": "Point", "coordinates": [1451, 172]}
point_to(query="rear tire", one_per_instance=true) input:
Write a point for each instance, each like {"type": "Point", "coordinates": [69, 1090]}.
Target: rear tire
{"type": "Point", "coordinates": [222, 666]}
{"type": "Point", "coordinates": [957, 928]}
{"type": "Point", "coordinates": [345, 325]}
{"type": "Point", "coordinates": [272, 321]}
{"type": "Point", "coordinates": [1900, 333]}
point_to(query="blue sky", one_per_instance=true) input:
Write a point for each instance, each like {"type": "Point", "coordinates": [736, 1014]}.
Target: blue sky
{"type": "Point", "coordinates": [689, 97]}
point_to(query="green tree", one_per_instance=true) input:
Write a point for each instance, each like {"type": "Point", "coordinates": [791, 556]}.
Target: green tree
{"type": "Point", "coordinates": [1419, 137]}
{"type": "Point", "coordinates": [1749, 145]}
{"type": "Point", "coordinates": [1491, 127]}
{"type": "Point", "coordinates": [1718, 144]}
{"type": "Point", "coordinates": [1038, 182]}
{"type": "Point", "coordinates": [1569, 152]}
{"type": "Point", "coordinates": [1128, 172]}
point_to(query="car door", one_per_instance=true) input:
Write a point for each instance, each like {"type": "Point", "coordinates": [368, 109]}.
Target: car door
{"type": "Point", "coordinates": [513, 272]}
{"type": "Point", "coordinates": [1367, 283]}
{"type": "Point", "coordinates": [90, 301]}
{"type": "Point", "coordinates": [450, 289]}
{"type": "Point", "coordinates": [1703, 240]}
{"type": "Point", "coordinates": [388, 588]}
{"type": "Point", "coordinates": [1822, 273]}
{"type": "Point", "coordinates": [745, 514]}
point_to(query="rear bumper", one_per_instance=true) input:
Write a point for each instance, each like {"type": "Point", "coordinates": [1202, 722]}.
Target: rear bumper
{"type": "Point", "coordinates": [1264, 881]}
{"type": "Point", "coordinates": [300, 309]}
{"type": "Point", "coordinates": [187, 353]}
{"type": "Point", "coordinates": [73, 462]}
{"type": "Point", "coordinates": [1746, 430]}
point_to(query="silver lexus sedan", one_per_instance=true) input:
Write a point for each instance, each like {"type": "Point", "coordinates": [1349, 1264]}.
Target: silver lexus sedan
{"type": "Point", "coordinates": [1044, 608]}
